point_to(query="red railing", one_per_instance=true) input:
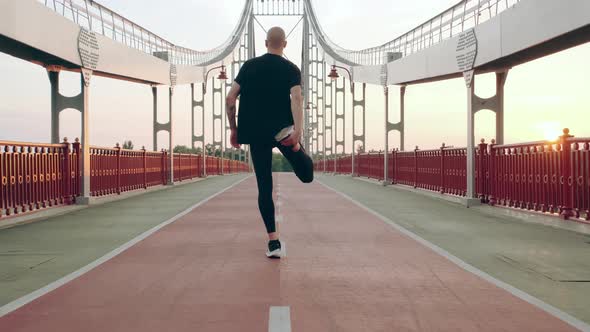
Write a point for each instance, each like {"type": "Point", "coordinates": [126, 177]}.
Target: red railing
{"type": "Point", "coordinates": [369, 165]}
{"type": "Point", "coordinates": [116, 170]}
{"type": "Point", "coordinates": [551, 177]}
{"type": "Point", "coordinates": [330, 166]}
{"type": "Point", "coordinates": [344, 165]}
{"type": "Point", "coordinates": [442, 170]}
{"type": "Point", "coordinates": [581, 177]}
{"type": "Point", "coordinates": [156, 168]}
{"type": "Point", "coordinates": [236, 166]}
{"type": "Point", "coordinates": [520, 174]}
{"type": "Point", "coordinates": [187, 166]}
{"type": "Point", "coordinates": [35, 176]}
{"type": "Point", "coordinates": [213, 165]}
{"type": "Point", "coordinates": [318, 164]}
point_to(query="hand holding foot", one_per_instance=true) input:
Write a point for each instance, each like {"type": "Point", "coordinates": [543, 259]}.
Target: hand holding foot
{"type": "Point", "coordinates": [293, 140]}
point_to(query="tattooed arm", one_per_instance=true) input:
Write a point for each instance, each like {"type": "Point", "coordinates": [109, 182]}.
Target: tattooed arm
{"type": "Point", "coordinates": [230, 107]}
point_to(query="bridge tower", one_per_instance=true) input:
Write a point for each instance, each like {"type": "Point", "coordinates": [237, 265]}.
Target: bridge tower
{"type": "Point", "coordinates": [80, 103]}
{"type": "Point", "coordinates": [167, 127]}
{"type": "Point", "coordinates": [213, 94]}
{"type": "Point", "coordinates": [313, 68]}
{"type": "Point", "coordinates": [474, 105]}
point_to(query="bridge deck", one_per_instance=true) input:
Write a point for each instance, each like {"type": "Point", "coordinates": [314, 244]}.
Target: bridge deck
{"type": "Point", "coordinates": [345, 270]}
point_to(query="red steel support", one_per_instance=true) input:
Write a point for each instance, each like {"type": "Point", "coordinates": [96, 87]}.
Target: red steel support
{"type": "Point", "coordinates": [586, 179]}
{"type": "Point", "coordinates": [481, 171]}
{"type": "Point", "coordinates": [66, 174]}
{"type": "Point", "coordinates": [179, 167]}
{"type": "Point", "coordinates": [163, 172]}
{"type": "Point", "coordinates": [442, 169]}
{"type": "Point", "coordinates": [566, 180]}
{"type": "Point", "coordinates": [416, 167]}
{"type": "Point", "coordinates": [144, 158]}
{"type": "Point", "coordinates": [76, 162]}
{"type": "Point", "coordinates": [493, 174]}
{"type": "Point", "coordinates": [3, 183]}
{"type": "Point", "coordinates": [394, 166]}
{"type": "Point", "coordinates": [118, 156]}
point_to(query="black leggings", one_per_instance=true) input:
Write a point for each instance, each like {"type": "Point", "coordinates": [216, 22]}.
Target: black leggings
{"type": "Point", "coordinates": [262, 160]}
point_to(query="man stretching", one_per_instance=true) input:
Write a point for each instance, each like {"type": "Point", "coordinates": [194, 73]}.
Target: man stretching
{"type": "Point", "coordinates": [271, 115]}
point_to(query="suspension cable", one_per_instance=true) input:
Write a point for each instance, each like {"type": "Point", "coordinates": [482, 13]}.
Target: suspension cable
{"type": "Point", "coordinates": [260, 24]}
{"type": "Point", "coordinates": [290, 32]}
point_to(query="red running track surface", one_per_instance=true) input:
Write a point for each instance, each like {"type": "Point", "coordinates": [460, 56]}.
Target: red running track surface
{"type": "Point", "coordinates": [345, 270]}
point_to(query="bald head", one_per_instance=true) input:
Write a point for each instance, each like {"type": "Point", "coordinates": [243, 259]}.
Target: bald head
{"type": "Point", "coordinates": [276, 39]}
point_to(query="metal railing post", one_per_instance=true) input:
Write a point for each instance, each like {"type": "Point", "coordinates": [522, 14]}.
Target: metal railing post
{"type": "Point", "coordinates": [163, 171]}
{"type": "Point", "coordinates": [394, 166]}
{"type": "Point", "coordinates": [144, 157]}
{"type": "Point", "coordinates": [492, 174]}
{"type": "Point", "coordinates": [118, 154]}
{"type": "Point", "coordinates": [442, 169]}
{"type": "Point", "coordinates": [481, 171]}
{"type": "Point", "coordinates": [416, 167]}
{"type": "Point", "coordinates": [566, 179]}
{"type": "Point", "coordinates": [76, 149]}
{"type": "Point", "coordinates": [179, 167]}
{"type": "Point", "coordinates": [66, 173]}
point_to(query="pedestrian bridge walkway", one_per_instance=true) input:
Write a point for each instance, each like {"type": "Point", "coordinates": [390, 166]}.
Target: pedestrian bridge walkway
{"type": "Point", "coordinates": [359, 257]}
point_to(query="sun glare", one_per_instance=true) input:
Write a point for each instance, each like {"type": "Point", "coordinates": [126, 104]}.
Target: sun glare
{"type": "Point", "coordinates": [551, 130]}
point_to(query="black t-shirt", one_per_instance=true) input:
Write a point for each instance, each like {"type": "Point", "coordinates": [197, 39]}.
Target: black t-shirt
{"type": "Point", "coordinates": [265, 97]}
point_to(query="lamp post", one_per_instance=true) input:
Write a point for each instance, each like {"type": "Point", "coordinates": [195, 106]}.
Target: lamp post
{"type": "Point", "coordinates": [334, 76]}
{"type": "Point", "coordinates": [222, 76]}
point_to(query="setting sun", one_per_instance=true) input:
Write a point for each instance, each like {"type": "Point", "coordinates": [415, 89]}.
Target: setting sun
{"type": "Point", "coordinates": [550, 130]}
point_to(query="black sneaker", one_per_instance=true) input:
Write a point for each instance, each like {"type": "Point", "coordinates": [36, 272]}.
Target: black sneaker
{"type": "Point", "coordinates": [274, 249]}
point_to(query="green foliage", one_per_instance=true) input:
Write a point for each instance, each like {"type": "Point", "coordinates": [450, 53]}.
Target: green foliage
{"type": "Point", "coordinates": [280, 163]}
{"type": "Point", "coordinates": [318, 155]}
{"type": "Point", "coordinates": [211, 151]}
{"type": "Point", "coordinates": [185, 149]}
{"type": "Point", "coordinates": [234, 154]}
{"type": "Point", "coordinates": [127, 145]}
{"type": "Point", "coordinates": [360, 148]}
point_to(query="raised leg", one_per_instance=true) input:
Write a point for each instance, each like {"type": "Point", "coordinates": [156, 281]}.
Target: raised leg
{"type": "Point", "coordinates": [302, 164]}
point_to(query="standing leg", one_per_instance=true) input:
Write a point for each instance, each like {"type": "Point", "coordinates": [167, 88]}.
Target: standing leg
{"type": "Point", "coordinates": [300, 161]}
{"type": "Point", "coordinates": [262, 161]}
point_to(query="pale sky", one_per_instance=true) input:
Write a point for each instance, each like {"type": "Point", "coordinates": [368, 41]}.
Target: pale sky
{"type": "Point", "coordinates": [541, 96]}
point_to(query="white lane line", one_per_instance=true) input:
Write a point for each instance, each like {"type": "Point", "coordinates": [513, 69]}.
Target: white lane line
{"type": "Point", "coordinates": [283, 249]}
{"type": "Point", "coordinates": [279, 319]}
{"type": "Point", "coordinates": [470, 268]}
{"type": "Point", "coordinates": [16, 304]}
{"type": "Point", "coordinates": [279, 216]}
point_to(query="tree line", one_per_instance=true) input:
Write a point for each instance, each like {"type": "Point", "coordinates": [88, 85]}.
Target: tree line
{"type": "Point", "coordinates": [279, 162]}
